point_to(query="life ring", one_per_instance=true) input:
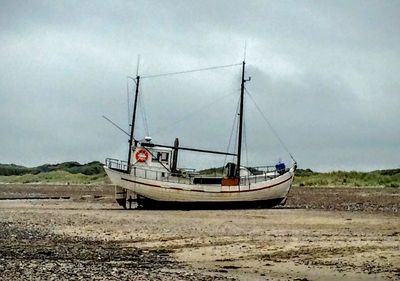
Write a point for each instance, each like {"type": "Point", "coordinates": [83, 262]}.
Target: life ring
{"type": "Point", "coordinates": [141, 155]}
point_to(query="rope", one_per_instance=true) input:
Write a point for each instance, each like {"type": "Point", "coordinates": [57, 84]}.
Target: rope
{"type": "Point", "coordinates": [189, 71]}
{"type": "Point", "coordinates": [270, 126]}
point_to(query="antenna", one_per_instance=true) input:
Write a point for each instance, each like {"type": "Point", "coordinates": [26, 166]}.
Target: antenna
{"type": "Point", "coordinates": [137, 66]}
{"type": "Point", "coordinates": [245, 47]}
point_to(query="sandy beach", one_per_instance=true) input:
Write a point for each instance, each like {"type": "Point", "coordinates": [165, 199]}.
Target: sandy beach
{"type": "Point", "coordinates": [339, 234]}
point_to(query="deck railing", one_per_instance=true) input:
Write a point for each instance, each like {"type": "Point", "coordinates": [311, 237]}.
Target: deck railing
{"type": "Point", "coordinates": [260, 173]}
{"type": "Point", "coordinates": [247, 180]}
{"type": "Point", "coordinates": [150, 174]}
{"type": "Point", "coordinates": [117, 164]}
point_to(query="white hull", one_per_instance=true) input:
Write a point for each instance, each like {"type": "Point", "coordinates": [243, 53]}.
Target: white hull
{"type": "Point", "coordinates": [164, 191]}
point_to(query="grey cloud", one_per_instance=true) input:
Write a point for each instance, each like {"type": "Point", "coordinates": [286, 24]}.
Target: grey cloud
{"type": "Point", "coordinates": [325, 74]}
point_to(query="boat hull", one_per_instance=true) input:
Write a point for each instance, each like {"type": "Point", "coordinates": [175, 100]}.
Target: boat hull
{"type": "Point", "coordinates": [147, 203]}
{"type": "Point", "coordinates": [160, 194]}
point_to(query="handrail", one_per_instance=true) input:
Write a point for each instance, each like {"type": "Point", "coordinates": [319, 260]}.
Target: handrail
{"type": "Point", "coordinates": [268, 172]}
{"type": "Point", "coordinates": [146, 173]}
{"type": "Point", "coordinates": [116, 164]}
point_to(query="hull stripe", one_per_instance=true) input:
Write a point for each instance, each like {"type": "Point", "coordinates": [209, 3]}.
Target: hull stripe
{"type": "Point", "coordinates": [233, 191]}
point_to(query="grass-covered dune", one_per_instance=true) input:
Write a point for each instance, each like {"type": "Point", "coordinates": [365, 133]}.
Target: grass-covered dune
{"type": "Point", "coordinates": [93, 173]}
{"type": "Point", "coordinates": [91, 168]}
{"type": "Point", "coordinates": [57, 177]}
{"type": "Point", "coordinates": [307, 177]}
{"type": "Point", "coordinates": [63, 173]}
{"type": "Point", "coordinates": [379, 178]}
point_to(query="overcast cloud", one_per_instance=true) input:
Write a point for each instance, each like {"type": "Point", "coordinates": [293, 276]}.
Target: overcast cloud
{"type": "Point", "coordinates": [325, 73]}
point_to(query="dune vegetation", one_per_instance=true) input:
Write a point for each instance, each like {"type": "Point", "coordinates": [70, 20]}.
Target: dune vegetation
{"type": "Point", "coordinates": [93, 173]}
{"type": "Point", "coordinates": [56, 177]}
{"type": "Point", "coordinates": [379, 178]}
{"type": "Point", "coordinates": [63, 173]}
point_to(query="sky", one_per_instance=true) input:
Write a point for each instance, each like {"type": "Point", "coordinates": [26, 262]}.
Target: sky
{"type": "Point", "coordinates": [324, 75]}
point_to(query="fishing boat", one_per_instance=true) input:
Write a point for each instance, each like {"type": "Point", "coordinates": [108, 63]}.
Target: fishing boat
{"type": "Point", "coordinates": [151, 175]}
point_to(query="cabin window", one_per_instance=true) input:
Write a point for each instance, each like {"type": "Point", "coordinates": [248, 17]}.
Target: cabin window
{"type": "Point", "coordinates": [164, 156]}
{"type": "Point", "coordinates": [161, 156]}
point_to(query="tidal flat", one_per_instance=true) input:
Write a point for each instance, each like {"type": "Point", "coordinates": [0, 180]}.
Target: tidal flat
{"type": "Point", "coordinates": [321, 234]}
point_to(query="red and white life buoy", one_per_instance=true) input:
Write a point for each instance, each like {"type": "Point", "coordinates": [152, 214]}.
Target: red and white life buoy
{"type": "Point", "coordinates": [141, 155]}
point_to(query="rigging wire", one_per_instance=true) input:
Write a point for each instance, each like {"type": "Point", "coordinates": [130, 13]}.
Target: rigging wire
{"type": "Point", "coordinates": [141, 103]}
{"type": "Point", "coordinates": [245, 137]}
{"type": "Point", "coordinates": [144, 116]}
{"type": "Point", "coordinates": [129, 107]}
{"type": "Point", "coordinates": [270, 126]}
{"type": "Point", "coordinates": [233, 128]}
{"type": "Point", "coordinates": [127, 95]}
{"type": "Point", "coordinates": [143, 112]}
{"type": "Point", "coordinates": [118, 127]}
{"type": "Point", "coordinates": [235, 146]}
{"type": "Point", "coordinates": [245, 141]}
{"type": "Point", "coordinates": [190, 71]}
{"type": "Point", "coordinates": [207, 105]}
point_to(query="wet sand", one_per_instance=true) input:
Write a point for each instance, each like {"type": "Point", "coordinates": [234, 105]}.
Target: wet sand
{"type": "Point", "coordinates": [336, 234]}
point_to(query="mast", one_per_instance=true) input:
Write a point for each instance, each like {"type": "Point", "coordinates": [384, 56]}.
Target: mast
{"type": "Point", "coordinates": [175, 156]}
{"type": "Point", "coordinates": [131, 138]}
{"type": "Point", "coordinates": [239, 152]}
